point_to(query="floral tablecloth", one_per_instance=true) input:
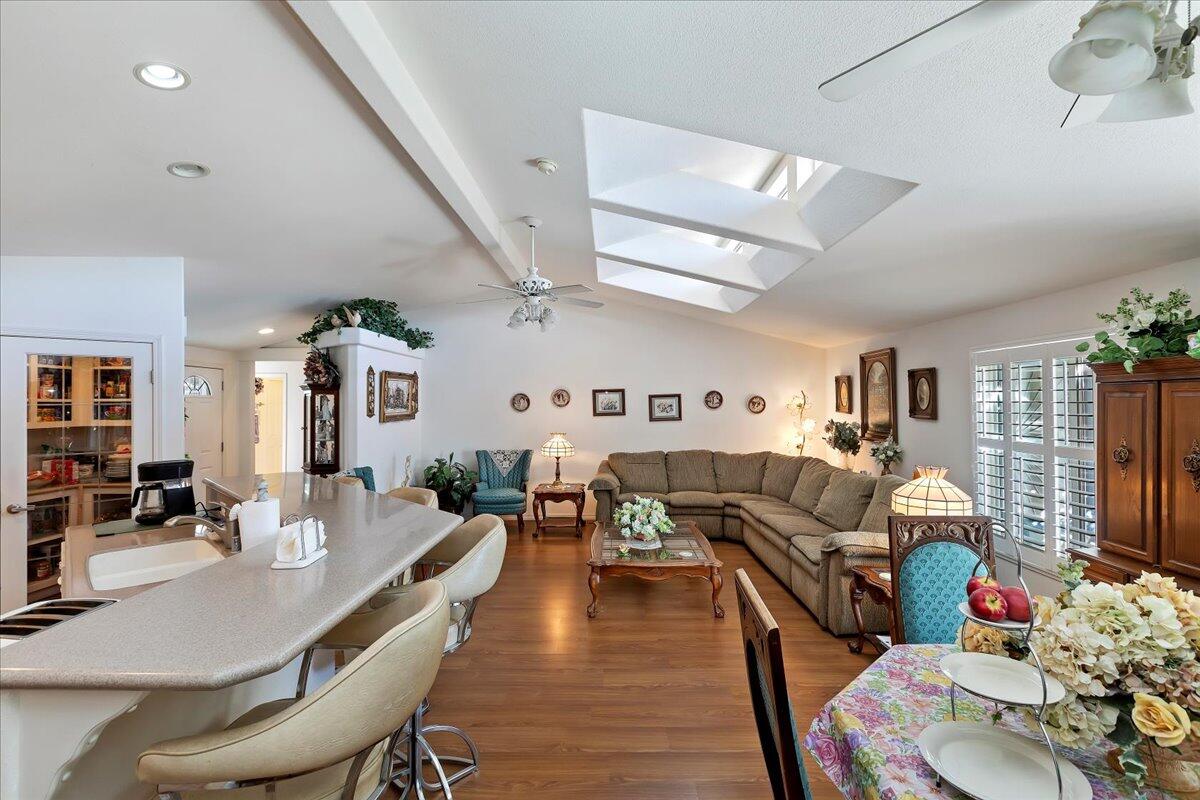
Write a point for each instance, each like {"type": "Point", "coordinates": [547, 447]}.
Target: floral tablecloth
{"type": "Point", "coordinates": [865, 738]}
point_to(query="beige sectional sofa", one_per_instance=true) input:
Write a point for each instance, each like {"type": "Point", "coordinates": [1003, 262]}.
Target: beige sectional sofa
{"type": "Point", "coordinates": [807, 521]}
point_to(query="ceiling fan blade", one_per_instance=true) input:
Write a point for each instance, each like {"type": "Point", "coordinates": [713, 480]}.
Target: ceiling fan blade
{"type": "Point", "coordinates": [1086, 108]}
{"type": "Point", "coordinates": [572, 288]}
{"type": "Point", "coordinates": [484, 300]}
{"type": "Point", "coordinates": [922, 47]}
{"type": "Point", "coordinates": [501, 288]}
{"type": "Point", "coordinates": [575, 301]}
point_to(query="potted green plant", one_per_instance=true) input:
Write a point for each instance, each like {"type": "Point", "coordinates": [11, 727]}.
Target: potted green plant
{"type": "Point", "coordinates": [381, 316]}
{"type": "Point", "coordinates": [844, 438]}
{"type": "Point", "coordinates": [1141, 329]}
{"type": "Point", "coordinates": [452, 481]}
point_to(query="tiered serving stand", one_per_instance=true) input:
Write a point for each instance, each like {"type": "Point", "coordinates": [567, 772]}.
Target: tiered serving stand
{"type": "Point", "coordinates": [982, 760]}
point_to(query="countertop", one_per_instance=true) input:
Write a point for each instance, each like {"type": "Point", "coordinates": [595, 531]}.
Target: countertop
{"type": "Point", "coordinates": [237, 619]}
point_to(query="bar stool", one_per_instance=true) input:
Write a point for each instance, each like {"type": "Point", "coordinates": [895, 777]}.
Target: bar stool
{"type": "Point", "coordinates": [338, 741]}
{"type": "Point", "coordinates": [415, 494]}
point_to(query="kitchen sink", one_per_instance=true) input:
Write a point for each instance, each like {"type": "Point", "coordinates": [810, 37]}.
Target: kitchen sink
{"type": "Point", "coordinates": [138, 566]}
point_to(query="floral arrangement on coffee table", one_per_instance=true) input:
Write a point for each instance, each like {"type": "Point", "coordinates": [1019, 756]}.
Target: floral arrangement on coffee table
{"type": "Point", "coordinates": [643, 520]}
{"type": "Point", "coordinates": [1127, 655]}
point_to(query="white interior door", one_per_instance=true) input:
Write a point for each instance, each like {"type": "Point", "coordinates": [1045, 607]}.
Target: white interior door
{"type": "Point", "coordinates": [203, 390]}
{"type": "Point", "coordinates": [271, 420]}
{"type": "Point", "coordinates": [76, 417]}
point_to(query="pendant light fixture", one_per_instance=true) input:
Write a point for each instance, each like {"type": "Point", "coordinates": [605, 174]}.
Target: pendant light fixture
{"type": "Point", "coordinates": [1113, 49]}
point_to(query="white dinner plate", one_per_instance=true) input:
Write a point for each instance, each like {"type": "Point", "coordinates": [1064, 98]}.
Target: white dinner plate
{"type": "Point", "coordinates": [991, 763]}
{"type": "Point", "coordinates": [964, 608]}
{"type": "Point", "coordinates": [999, 678]}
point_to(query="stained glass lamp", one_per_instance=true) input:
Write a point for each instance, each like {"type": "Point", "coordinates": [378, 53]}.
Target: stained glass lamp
{"type": "Point", "coordinates": [931, 495]}
{"type": "Point", "coordinates": [558, 447]}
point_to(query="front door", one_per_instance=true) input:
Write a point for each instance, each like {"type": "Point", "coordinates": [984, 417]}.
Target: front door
{"type": "Point", "coordinates": [203, 388]}
{"type": "Point", "coordinates": [76, 417]}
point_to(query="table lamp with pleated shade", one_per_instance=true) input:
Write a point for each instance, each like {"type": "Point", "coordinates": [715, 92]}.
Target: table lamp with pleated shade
{"type": "Point", "coordinates": [558, 447]}
{"type": "Point", "coordinates": [931, 495]}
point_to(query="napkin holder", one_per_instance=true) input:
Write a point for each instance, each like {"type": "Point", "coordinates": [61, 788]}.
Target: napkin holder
{"type": "Point", "coordinates": [307, 556]}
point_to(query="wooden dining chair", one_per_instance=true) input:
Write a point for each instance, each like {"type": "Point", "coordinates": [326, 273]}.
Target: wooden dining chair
{"type": "Point", "coordinates": [932, 558]}
{"type": "Point", "coordinates": [769, 694]}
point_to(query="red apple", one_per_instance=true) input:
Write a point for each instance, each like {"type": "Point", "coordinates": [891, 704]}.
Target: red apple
{"type": "Point", "coordinates": [1018, 603]}
{"type": "Point", "coordinates": [987, 603]}
{"type": "Point", "coordinates": [979, 581]}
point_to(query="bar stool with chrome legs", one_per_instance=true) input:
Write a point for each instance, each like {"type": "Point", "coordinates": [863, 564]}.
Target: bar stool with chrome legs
{"type": "Point", "coordinates": [336, 742]}
{"type": "Point", "coordinates": [467, 563]}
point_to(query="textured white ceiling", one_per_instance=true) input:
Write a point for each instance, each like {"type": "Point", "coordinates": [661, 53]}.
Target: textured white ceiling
{"type": "Point", "coordinates": [1009, 206]}
{"type": "Point", "coordinates": [307, 204]}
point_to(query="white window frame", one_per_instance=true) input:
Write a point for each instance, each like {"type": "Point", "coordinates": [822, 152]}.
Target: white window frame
{"type": "Point", "coordinates": [1046, 558]}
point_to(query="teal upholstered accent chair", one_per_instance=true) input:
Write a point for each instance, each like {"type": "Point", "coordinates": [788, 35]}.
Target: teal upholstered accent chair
{"type": "Point", "coordinates": [769, 694]}
{"type": "Point", "coordinates": [503, 475]}
{"type": "Point", "coordinates": [932, 560]}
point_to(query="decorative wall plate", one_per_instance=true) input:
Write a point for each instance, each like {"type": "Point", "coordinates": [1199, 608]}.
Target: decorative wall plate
{"type": "Point", "coordinates": [713, 400]}
{"type": "Point", "coordinates": [560, 397]}
{"type": "Point", "coordinates": [370, 392]}
{"type": "Point", "coordinates": [519, 402]}
{"type": "Point", "coordinates": [756, 404]}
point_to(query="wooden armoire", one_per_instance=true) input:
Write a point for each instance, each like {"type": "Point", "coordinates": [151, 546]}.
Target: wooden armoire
{"type": "Point", "coordinates": [1147, 472]}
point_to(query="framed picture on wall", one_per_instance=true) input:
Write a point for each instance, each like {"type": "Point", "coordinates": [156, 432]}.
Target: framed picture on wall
{"type": "Point", "coordinates": [922, 393]}
{"type": "Point", "coordinates": [398, 391]}
{"type": "Point", "coordinates": [608, 402]}
{"type": "Point", "coordinates": [843, 394]}
{"type": "Point", "coordinates": [877, 379]}
{"type": "Point", "coordinates": [666, 407]}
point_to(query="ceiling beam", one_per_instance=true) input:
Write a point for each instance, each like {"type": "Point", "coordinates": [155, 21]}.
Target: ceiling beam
{"type": "Point", "coordinates": [352, 36]}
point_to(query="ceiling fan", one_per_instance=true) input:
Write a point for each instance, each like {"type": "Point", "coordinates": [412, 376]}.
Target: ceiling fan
{"type": "Point", "coordinates": [1128, 61]}
{"type": "Point", "coordinates": [535, 291]}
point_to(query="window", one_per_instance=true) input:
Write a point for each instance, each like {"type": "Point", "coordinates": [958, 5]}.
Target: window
{"type": "Point", "coordinates": [195, 386]}
{"type": "Point", "coordinates": [1035, 436]}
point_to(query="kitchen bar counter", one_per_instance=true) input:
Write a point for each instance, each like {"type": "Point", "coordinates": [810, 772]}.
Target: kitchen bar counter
{"type": "Point", "coordinates": [237, 619]}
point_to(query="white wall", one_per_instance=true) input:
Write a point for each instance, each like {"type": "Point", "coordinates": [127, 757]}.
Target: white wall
{"type": "Point", "coordinates": [293, 377]}
{"type": "Point", "coordinates": [477, 364]}
{"type": "Point", "coordinates": [130, 299]}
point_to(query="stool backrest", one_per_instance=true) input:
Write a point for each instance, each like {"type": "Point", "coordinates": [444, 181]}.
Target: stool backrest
{"type": "Point", "coordinates": [415, 494]}
{"type": "Point", "coordinates": [475, 551]}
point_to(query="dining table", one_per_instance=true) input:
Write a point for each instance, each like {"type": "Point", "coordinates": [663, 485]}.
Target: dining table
{"type": "Point", "coordinates": [865, 738]}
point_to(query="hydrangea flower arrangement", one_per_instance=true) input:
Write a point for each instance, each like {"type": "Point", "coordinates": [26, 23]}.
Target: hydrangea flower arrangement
{"type": "Point", "coordinates": [1142, 328]}
{"type": "Point", "coordinates": [644, 519]}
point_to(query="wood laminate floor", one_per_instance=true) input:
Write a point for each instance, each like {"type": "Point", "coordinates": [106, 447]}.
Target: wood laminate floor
{"type": "Point", "coordinates": [648, 700]}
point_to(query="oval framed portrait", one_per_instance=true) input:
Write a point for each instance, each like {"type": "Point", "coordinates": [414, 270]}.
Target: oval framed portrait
{"type": "Point", "coordinates": [519, 402]}
{"type": "Point", "coordinates": [714, 400]}
{"type": "Point", "coordinates": [756, 405]}
{"type": "Point", "coordinates": [560, 397]}
{"type": "Point", "coordinates": [922, 393]}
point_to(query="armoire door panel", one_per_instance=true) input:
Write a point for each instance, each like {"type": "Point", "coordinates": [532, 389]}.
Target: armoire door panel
{"type": "Point", "coordinates": [1127, 461]}
{"type": "Point", "coordinates": [1179, 537]}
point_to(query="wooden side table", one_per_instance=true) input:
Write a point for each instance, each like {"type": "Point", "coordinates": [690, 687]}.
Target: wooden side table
{"type": "Point", "coordinates": [564, 493]}
{"type": "Point", "coordinates": [878, 585]}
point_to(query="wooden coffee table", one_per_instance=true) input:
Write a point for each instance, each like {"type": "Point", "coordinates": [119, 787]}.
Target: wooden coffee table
{"type": "Point", "coordinates": [684, 552]}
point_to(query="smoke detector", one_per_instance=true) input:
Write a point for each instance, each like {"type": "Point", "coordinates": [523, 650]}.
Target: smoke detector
{"type": "Point", "coordinates": [546, 166]}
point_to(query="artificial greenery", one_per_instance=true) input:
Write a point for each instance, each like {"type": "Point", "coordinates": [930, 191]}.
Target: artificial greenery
{"type": "Point", "coordinates": [380, 316]}
{"type": "Point", "coordinates": [1142, 329]}
{"type": "Point", "coordinates": [887, 453]}
{"type": "Point", "coordinates": [843, 437]}
{"type": "Point", "coordinates": [452, 481]}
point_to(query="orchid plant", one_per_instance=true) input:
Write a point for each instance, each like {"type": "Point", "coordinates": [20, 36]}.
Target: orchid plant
{"type": "Point", "coordinates": [1142, 328]}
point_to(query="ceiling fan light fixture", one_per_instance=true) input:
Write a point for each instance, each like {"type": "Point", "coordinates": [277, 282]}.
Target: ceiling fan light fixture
{"type": "Point", "coordinates": [1152, 99]}
{"type": "Point", "coordinates": [549, 318]}
{"type": "Point", "coordinates": [1113, 49]}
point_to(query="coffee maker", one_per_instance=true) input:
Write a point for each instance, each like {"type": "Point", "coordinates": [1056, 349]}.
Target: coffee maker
{"type": "Point", "coordinates": [165, 490]}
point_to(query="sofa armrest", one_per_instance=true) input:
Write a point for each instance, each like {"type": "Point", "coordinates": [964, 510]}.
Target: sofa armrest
{"type": "Point", "coordinates": [605, 480]}
{"type": "Point", "coordinates": [856, 543]}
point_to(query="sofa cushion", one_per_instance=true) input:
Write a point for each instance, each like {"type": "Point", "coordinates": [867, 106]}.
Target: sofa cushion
{"type": "Point", "coordinates": [880, 509]}
{"type": "Point", "coordinates": [811, 483]}
{"type": "Point", "coordinates": [780, 473]}
{"type": "Point", "coordinates": [739, 472]}
{"type": "Point", "coordinates": [801, 524]}
{"type": "Point", "coordinates": [845, 499]}
{"type": "Point", "coordinates": [807, 546]}
{"type": "Point", "coordinates": [736, 499]}
{"type": "Point", "coordinates": [629, 497]}
{"type": "Point", "coordinates": [691, 471]}
{"type": "Point", "coordinates": [770, 535]}
{"type": "Point", "coordinates": [695, 500]}
{"type": "Point", "coordinates": [756, 508]}
{"type": "Point", "coordinates": [641, 472]}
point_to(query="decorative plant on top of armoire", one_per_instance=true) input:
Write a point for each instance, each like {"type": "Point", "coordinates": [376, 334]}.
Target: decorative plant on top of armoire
{"type": "Point", "coordinates": [452, 481]}
{"type": "Point", "coordinates": [380, 316]}
{"type": "Point", "coordinates": [1141, 329]}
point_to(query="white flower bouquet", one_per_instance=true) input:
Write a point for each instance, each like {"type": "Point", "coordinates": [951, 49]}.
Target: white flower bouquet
{"type": "Point", "coordinates": [644, 520]}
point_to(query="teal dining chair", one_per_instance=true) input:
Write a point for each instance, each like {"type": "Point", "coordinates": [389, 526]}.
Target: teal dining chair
{"type": "Point", "coordinates": [932, 559]}
{"type": "Point", "coordinates": [769, 694]}
{"type": "Point", "coordinates": [503, 475]}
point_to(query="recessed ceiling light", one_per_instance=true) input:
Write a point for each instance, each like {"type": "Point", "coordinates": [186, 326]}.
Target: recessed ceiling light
{"type": "Point", "coordinates": [265, 331]}
{"type": "Point", "coordinates": [158, 75]}
{"type": "Point", "coordinates": [188, 169]}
